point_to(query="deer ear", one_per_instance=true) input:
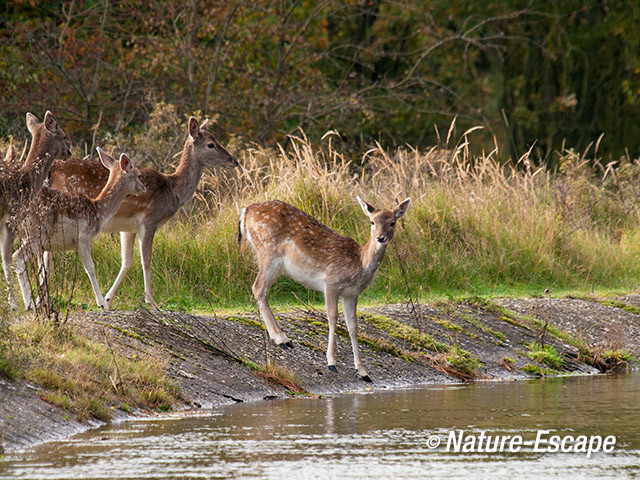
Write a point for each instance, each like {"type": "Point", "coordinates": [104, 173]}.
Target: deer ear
{"type": "Point", "coordinates": [204, 125]}
{"type": "Point", "coordinates": [50, 122]}
{"type": "Point", "coordinates": [194, 127]}
{"type": "Point", "coordinates": [32, 121]}
{"type": "Point", "coordinates": [10, 154]}
{"type": "Point", "coordinates": [402, 208]}
{"type": "Point", "coordinates": [366, 208]}
{"type": "Point", "coordinates": [125, 163]}
{"type": "Point", "coordinates": [106, 159]}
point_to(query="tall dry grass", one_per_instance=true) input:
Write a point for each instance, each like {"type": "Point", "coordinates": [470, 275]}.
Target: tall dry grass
{"type": "Point", "coordinates": [479, 224]}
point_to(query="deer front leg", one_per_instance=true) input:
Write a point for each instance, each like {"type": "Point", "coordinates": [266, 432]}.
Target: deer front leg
{"type": "Point", "coordinates": [20, 259]}
{"type": "Point", "coordinates": [127, 239]}
{"type": "Point", "coordinates": [84, 252]}
{"type": "Point", "coordinates": [6, 244]}
{"type": "Point", "coordinates": [331, 302]}
{"type": "Point", "coordinates": [350, 306]}
{"type": "Point", "coordinates": [146, 247]}
{"type": "Point", "coordinates": [260, 290]}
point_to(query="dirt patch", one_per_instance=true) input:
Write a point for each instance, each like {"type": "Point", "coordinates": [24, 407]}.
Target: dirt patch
{"type": "Point", "coordinates": [219, 359]}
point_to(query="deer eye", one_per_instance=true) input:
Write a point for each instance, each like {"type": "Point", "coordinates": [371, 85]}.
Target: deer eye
{"type": "Point", "coordinates": [392, 224]}
{"type": "Point", "coordinates": [372, 222]}
{"type": "Point", "coordinates": [211, 145]}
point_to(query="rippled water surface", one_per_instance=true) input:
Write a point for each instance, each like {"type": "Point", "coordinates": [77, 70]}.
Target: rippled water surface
{"type": "Point", "coordinates": [360, 436]}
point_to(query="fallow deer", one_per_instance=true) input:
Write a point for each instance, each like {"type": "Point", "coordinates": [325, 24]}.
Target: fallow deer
{"type": "Point", "coordinates": [19, 185]}
{"type": "Point", "coordinates": [70, 221]}
{"type": "Point", "coordinates": [144, 214]}
{"type": "Point", "coordinates": [288, 241]}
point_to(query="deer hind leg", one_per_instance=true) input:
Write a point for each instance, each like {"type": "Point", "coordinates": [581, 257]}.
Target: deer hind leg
{"type": "Point", "coordinates": [6, 246]}
{"type": "Point", "coordinates": [331, 302]}
{"type": "Point", "coordinates": [146, 249]}
{"type": "Point", "coordinates": [260, 289]}
{"type": "Point", "coordinates": [127, 239]}
{"type": "Point", "coordinates": [84, 252]}
{"type": "Point", "coordinates": [350, 307]}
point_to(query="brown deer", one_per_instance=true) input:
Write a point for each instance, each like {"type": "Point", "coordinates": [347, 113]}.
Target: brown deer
{"type": "Point", "coordinates": [70, 221]}
{"type": "Point", "coordinates": [288, 241]}
{"type": "Point", "coordinates": [19, 185]}
{"type": "Point", "coordinates": [144, 214]}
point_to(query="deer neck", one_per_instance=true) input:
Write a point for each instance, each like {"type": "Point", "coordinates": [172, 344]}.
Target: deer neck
{"type": "Point", "coordinates": [37, 164]}
{"type": "Point", "coordinates": [108, 201]}
{"type": "Point", "coordinates": [187, 175]}
{"type": "Point", "coordinates": [371, 256]}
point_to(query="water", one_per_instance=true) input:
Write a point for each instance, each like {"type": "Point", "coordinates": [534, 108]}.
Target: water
{"type": "Point", "coordinates": [362, 436]}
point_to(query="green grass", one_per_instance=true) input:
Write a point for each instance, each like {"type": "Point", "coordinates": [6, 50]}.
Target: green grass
{"type": "Point", "coordinates": [538, 371]}
{"type": "Point", "coordinates": [82, 376]}
{"type": "Point", "coordinates": [545, 354]}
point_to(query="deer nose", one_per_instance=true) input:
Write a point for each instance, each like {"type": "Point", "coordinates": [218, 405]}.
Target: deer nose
{"type": "Point", "coordinates": [382, 239]}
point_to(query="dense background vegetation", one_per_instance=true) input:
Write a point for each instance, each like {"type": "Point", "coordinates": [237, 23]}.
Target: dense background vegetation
{"type": "Point", "coordinates": [532, 72]}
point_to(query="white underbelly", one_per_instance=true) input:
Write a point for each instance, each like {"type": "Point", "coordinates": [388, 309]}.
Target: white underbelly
{"type": "Point", "coordinates": [123, 224]}
{"type": "Point", "coordinates": [65, 236]}
{"type": "Point", "coordinates": [315, 280]}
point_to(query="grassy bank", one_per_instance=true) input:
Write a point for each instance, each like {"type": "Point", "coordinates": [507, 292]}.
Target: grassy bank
{"type": "Point", "coordinates": [88, 379]}
{"type": "Point", "coordinates": [478, 224]}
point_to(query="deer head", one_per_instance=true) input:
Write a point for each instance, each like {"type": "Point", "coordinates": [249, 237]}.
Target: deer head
{"type": "Point", "coordinates": [206, 149]}
{"type": "Point", "coordinates": [383, 222]}
{"type": "Point", "coordinates": [48, 136]}
{"type": "Point", "coordinates": [123, 171]}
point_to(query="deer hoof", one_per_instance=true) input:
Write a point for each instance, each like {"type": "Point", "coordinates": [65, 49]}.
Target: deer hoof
{"type": "Point", "coordinates": [286, 345]}
{"type": "Point", "coordinates": [333, 368]}
{"type": "Point", "coordinates": [366, 378]}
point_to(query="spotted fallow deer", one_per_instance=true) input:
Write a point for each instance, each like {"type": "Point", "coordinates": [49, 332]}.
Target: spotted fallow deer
{"type": "Point", "coordinates": [20, 185]}
{"type": "Point", "coordinates": [144, 214]}
{"type": "Point", "coordinates": [288, 241]}
{"type": "Point", "coordinates": [70, 221]}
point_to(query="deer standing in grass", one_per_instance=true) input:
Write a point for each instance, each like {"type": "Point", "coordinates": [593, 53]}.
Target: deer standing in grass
{"type": "Point", "coordinates": [70, 221]}
{"type": "Point", "coordinates": [144, 214]}
{"type": "Point", "coordinates": [20, 185]}
{"type": "Point", "coordinates": [288, 241]}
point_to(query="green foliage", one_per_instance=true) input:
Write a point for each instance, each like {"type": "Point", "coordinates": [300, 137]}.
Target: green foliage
{"type": "Point", "coordinates": [545, 354]}
{"type": "Point", "coordinates": [532, 73]}
{"type": "Point", "coordinates": [606, 360]}
{"type": "Point", "coordinates": [10, 357]}
{"type": "Point", "coordinates": [462, 361]}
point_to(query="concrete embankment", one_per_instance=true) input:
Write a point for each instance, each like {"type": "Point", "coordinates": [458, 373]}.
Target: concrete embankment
{"type": "Point", "coordinates": [221, 359]}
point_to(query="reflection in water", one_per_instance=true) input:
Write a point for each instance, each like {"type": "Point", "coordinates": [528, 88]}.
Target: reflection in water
{"type": "Point", "coordinates": [375, 435]}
